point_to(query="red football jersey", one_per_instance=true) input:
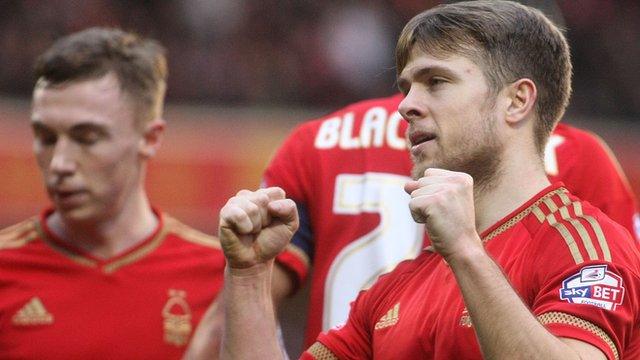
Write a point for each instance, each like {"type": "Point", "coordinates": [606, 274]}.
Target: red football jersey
{"type": "Point", "coordinates": [346, 172]}
{"type": "Point", "coordinates": [576, 269]}
{"type": "Point", "coordinates": [589, 169]}
{"type": "Point", "coordinates": [58, 302]}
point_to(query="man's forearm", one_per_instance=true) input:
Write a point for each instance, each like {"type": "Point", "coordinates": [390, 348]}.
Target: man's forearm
{"type": "Point", "coordinates": [250, 325]}
{"type": "Point", "coordinates": [205, 342]}
{"type": "Point", "coordinates": [505, 327]}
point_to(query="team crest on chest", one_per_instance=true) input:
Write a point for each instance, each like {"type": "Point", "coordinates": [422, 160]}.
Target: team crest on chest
{"type": "Point", "coordinates": [594, 285]}
{"type": "Point", "coordinates": [177, 318]}
{"type": "Point", "coordinates": [465, 319]}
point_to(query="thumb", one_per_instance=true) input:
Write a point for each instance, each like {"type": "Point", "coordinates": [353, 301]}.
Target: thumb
{"type": "Point", "coordinates": [228, 240]}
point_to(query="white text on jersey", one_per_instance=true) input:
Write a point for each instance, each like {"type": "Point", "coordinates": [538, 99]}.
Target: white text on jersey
{"type": "Point", "coordinates": [378, 129]}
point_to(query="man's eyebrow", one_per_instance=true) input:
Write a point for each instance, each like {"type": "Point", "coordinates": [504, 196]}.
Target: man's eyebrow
{"type": "Point", "coordinates": [403, 81]}
{"type": "Point", "coordinates": [38, 125]}
{"type": "Point", "coordinates": [87, 126]}
{"type": "Point", "coordinates": [428, 70]}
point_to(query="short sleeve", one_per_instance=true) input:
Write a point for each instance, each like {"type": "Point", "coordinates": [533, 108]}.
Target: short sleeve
{"type": "Point", "coordinates": [349, 341]}
{"type": "Point", "coordinates": [289, 170]}
{"type": "Point", "coordinates": [290, 166]}
{"type": "Point", "coordinates": [586, 293]}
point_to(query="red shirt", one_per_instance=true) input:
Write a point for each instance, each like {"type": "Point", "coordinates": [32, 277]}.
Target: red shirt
{"type": "Point", "coordinates": [346, 172]}
{"type": "Point", "coordinates": [342, 171]}
{"type": "Point", "coordinates": [58, 302]}
{"type": "Point", "coordinates": [578, 271]}
{"type": "Point", "coordinates": [589, 169]}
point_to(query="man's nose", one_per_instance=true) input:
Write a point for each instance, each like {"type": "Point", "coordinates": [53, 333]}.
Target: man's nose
{"type": "Point", "coordinates": [412, 107]}
{"type": "Point", "coordinates": [63, 161]}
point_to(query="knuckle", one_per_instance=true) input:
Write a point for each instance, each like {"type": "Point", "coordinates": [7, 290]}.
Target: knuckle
{"type": "Point", "coordinates": [467, 179]}
{"type": "Point", "coordinates": [236, 201]}
{"type": "Point", "coordinates": [232, 218]}
{"type": "Point", "coordinates": [262, 199]}
{"type": "Point", "coordinates": [238, 216]}
{"type": "Point", "coordinates": [280, 191]}
{"type": "Point", "coordinates": [273, 193]}
{"type": "Point", "coordinates": [456, 178]}
{"type": "Point", "coordinates": [263, 190]}
{"type": "Point", "coordinates": [243, 193]}
{"type": "Point", "coordinates": [276, 192]}
{"type": "Point", "coordinates": [442, 197]}
{"type": "Point", "coordinates": [252, 209]}
{"type": "Point", "coordinates": [418, 204]}
{"type": "Point", "coordinates": [227, 210]}
{"type": "Point", "coordinates": [259, 198]}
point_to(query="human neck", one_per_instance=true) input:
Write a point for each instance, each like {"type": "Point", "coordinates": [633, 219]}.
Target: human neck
{"type": "Point", "coordinates": [110, 236]}
{"type": "Point", "coordinates": [519, 179]}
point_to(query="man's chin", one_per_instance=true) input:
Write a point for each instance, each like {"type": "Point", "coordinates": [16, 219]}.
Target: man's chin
{"type": "Point", "coordinates": [420, 167]}
{"type": "Point", "coordinates": [76, 213]}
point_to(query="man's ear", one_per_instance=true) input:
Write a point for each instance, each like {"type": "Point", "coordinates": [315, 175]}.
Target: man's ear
{"type": "Point", "coordinates": [522, 95]}
{"type": "Point", "coordinates": [152, 137]}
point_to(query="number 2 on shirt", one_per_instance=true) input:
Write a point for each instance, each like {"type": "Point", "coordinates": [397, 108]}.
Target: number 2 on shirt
{"type": "Point", "coordinates": [397, 237]}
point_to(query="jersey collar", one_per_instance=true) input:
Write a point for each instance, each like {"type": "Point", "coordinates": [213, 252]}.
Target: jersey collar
{"type": "Point", "coordinates": [85, 258]}
{"type": "Point", "coordinates": [518, 214]}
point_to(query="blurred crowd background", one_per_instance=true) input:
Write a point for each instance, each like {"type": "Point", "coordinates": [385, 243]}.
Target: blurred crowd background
{"type": "Point", "coordinates": [243, 73]}
{"type": "Point", "coordinates": [310, 53]}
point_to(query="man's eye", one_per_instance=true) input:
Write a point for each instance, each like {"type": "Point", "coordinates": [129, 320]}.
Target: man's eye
{"type": "Point", "coordinates": [46, 139]}
{"type": "Point", "coordinates": [88, 138]}
{"type": "Point", "coordinates": [435, 81]}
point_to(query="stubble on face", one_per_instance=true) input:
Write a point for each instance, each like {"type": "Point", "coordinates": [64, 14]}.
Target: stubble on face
{"type": "Point", "coordinates": [477, 152]}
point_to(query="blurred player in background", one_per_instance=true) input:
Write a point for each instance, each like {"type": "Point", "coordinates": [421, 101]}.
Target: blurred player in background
{"type": "Point", "coordinates": [582, 233]}
{"type": "Point", "coordinates": [345, 172]}
{"type": "Point", "coordinates": [101, 273]}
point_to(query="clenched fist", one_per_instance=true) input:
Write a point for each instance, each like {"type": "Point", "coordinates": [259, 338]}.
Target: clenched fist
{"type": "Point", "coordinates": [255, 226]}
{"type": "Point", "coordinates": [443, 201]}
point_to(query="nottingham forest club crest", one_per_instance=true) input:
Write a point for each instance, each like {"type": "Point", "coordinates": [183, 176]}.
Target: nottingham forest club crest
{"type": "Point", "coordinates": [594, 285]}
{"type": "Point", "coordinates": [177, 318]}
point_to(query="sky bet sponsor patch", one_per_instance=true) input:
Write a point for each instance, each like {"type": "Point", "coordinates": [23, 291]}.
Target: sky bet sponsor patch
{"type": "Point", "coordinates": [594, 285]}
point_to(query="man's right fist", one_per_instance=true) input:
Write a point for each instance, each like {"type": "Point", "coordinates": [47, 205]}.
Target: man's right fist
{"type": "Point", "coordinates": [255, 226]}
